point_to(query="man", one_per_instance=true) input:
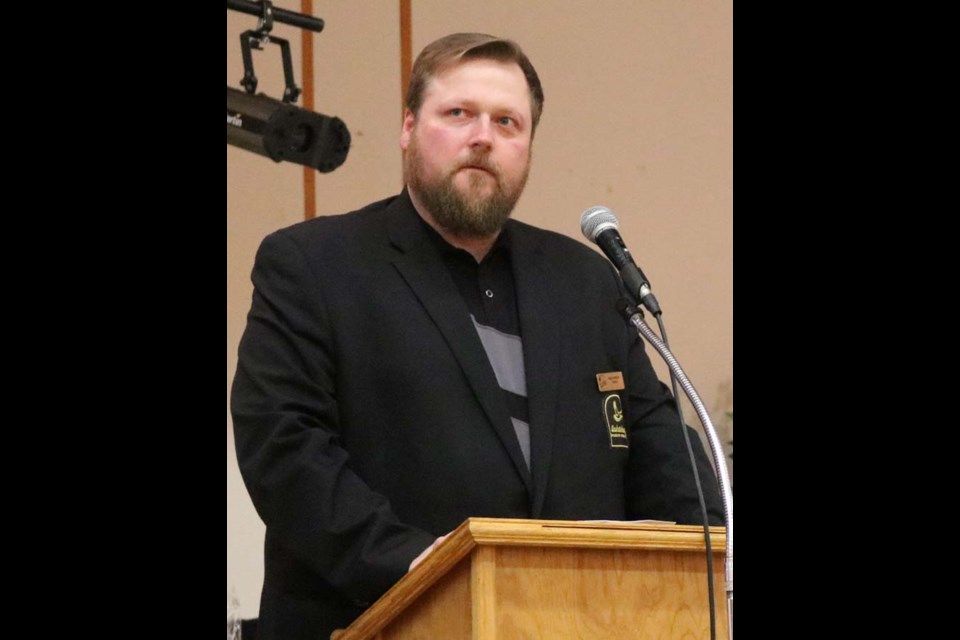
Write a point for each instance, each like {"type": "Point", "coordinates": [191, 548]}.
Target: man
{"type": "Point", "coordinates": [425, 360]}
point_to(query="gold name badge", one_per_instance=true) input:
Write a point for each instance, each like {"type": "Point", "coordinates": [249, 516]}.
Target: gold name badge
{"type": "Point", "coordinates": [610, 381]}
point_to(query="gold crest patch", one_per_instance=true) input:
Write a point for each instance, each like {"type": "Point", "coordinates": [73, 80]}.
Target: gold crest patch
{"type": "Point", "coordinates": [616, 426]}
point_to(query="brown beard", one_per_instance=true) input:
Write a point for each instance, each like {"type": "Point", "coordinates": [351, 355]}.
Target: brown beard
{"type": "Point", "coordinates": [465, 215]}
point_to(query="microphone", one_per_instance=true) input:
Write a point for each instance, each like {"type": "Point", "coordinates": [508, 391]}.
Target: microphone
{"type": "Point", "coordinates": [599, 225]}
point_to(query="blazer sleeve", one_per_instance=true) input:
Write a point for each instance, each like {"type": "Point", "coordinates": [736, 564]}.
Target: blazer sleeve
{"type": "Point", "coordinates": [659, 480]}
{"type": "Point", "coordinates": [285, 418]}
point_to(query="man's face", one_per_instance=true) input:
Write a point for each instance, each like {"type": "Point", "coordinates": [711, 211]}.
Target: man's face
{"type": "Point", "coordinates": [468, 150]}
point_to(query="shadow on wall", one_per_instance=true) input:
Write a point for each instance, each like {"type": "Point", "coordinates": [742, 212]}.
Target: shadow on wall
{"type": "Point", "coordinates": [722, 416]}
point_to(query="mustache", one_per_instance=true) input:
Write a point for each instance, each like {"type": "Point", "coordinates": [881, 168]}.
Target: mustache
{"type": "Point", "coordinates": [481, 162]}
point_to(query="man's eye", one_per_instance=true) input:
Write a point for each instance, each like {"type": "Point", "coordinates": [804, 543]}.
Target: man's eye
{"type": "Point", "coordinates": [505, 121]}
{"type": "Point", "coordinates": [456, 112]}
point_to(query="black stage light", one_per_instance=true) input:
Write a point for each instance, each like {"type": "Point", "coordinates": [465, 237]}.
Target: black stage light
{"type": "Point", "coordinates": [284, 132]}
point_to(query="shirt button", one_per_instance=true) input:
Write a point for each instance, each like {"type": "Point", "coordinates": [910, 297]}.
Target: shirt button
{"type": "Point", "coordinates": [489, 293]}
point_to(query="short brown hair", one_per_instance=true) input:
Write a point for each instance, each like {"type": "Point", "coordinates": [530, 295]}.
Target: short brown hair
{"type": "Point", "coordinates": [450, 50]}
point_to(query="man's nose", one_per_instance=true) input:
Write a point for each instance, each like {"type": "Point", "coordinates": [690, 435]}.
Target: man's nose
{"type": "Point", "coordinates": [482, 133]}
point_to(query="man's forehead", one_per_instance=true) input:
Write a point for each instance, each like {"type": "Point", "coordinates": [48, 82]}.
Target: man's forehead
{"type": "Point", "coordinates": [444, 78]}
{"type": "Point", "coordinates": [468, 64]}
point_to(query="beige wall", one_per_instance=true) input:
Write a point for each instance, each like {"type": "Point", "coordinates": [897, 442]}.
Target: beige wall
{"type": "Point", "coordinates": [638, 117]}
{"type": "Point", "coordinates": [261, 196]}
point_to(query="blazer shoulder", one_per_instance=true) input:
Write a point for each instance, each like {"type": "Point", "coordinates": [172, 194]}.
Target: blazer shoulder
{"type": "Point", "coordinates": [340, 222]}
{"type": "Point", "coordinates": [555, 245]}
{"type": "Point", "coordinates": [332, 229]}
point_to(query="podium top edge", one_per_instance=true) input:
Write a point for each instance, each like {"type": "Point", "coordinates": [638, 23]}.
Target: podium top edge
{"type": "Point", "coordinates": [587, 534]}
{"type": "Point", "coordinates": [624, 525]}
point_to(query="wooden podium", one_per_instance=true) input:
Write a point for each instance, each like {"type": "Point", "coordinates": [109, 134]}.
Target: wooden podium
{"type": "Point", "coordinates": [552, 579]}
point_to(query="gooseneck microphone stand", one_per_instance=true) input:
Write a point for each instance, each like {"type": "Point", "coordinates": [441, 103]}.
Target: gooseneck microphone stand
{"type": "Point", "coordinates": [635, 317]}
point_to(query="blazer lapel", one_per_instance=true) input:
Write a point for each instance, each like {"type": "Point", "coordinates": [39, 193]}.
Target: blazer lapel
{"type": "Point", "coordinates": [423, 269]}
{"type": "Point", "coordinates": [537, 292]}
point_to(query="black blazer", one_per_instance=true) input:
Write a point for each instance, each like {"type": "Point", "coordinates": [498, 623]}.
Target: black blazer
{"type": "Point", "coordinates": [368, 419]}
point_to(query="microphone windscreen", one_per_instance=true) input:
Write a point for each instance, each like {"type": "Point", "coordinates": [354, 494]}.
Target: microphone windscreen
{"type": "Point", "coordinates": [597, 219]}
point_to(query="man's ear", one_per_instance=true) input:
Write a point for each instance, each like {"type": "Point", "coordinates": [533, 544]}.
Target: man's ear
{"type": "Point", "coordinates": [407, 129]}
